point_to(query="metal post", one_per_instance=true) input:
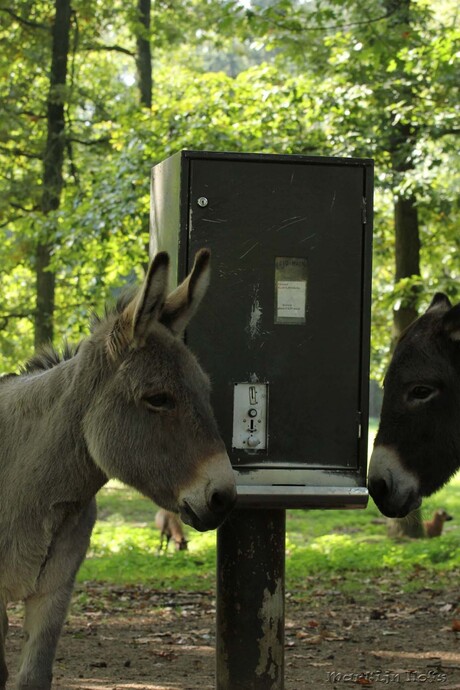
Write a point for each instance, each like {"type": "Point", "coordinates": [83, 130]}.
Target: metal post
{"type": "Point", "coordinates": [250, 600]}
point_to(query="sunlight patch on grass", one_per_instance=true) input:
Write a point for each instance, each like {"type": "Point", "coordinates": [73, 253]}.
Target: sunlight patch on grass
{"type": "Point", "coordinates": [324, 543]}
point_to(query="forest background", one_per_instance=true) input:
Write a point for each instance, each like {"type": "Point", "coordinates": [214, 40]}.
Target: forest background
{"type": "Point", "coordinates": [93, 94]}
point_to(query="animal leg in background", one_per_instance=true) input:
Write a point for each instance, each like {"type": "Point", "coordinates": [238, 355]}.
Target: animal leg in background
{"type": "Point", "coordinates": [3, 631]}
{"type": "Point", "coordinates": [164, 537]}
{"type": "Point", "coordinates": [170, 526]}
{"type": "Point", "coordinates": [45, 611]}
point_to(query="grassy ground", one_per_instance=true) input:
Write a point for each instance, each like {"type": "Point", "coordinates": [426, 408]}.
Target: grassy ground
{"type": "Point", "coordinates": [341, 547]}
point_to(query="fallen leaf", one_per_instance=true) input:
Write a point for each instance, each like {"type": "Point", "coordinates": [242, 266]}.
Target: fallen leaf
{"type": "Point", "coordinates": [446, 608]}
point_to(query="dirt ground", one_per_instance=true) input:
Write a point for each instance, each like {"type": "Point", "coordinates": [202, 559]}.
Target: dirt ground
{"type": "Point", "coordinates": [136, 638]}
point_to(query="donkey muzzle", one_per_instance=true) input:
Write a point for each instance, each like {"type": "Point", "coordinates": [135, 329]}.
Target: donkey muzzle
{"type": "Point", "coordinates": [395, 490]}
{"type": "Point", "coordinates": [206, 503]}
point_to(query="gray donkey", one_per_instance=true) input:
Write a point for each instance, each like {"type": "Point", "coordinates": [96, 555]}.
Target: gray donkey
{"type": "Point", "coordinates": [131, 403]}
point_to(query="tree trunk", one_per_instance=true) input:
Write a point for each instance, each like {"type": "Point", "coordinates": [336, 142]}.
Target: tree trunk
{"type": "Point", "coordinates": [406, 227]}
{"type": "Point", "coordinates": [144, 81]}
{"type": "Point", "coordinates": [44, 304]}
{"type": "Point", "coordinates": [144, 54]}
{"type": "Point", "coordinates": [407, 259]}
{"type": "Point", "coordinates": [407, 264]}
{"type": "Point", "coordinates": [53, 161]}
{"type": "Point", "coordinates": [410, 526]}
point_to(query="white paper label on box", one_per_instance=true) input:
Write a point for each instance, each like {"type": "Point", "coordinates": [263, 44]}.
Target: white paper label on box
{"type": "Point", "coordinates": [292, 298]}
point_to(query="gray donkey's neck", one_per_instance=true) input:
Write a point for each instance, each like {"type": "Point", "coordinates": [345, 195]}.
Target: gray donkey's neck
{"type": "Point", "coordinates": [43, 454]}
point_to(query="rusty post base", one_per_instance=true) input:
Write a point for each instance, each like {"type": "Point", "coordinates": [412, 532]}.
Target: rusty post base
{"type": "Point", "coordinates": [250, 600]}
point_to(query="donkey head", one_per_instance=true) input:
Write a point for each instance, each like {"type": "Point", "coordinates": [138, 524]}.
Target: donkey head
{"type": "Point", "coordinates": [417, 447]}
{"type": "Point", "coordinates": [150, 423]}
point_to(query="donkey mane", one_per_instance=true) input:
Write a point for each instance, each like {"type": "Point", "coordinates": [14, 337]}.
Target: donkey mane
{"type": "Point", "coordinates": [49, 356]}
{"type": "Point", "coordinates": [113, 309]}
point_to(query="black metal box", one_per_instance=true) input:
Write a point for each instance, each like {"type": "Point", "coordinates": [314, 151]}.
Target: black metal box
{"type": "Point", "coordinates": [284, 329]}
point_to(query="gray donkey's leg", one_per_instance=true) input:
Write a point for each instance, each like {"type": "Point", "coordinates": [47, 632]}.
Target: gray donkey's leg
{"type": "Point", "coordinates": [46, 610]}
{"type": "Point", "coordinates": [3, 631]}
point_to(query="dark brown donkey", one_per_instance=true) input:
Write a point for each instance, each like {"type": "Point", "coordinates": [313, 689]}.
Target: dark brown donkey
{"type": "Point", "coordinates": [417, 447]}
{"type": "Point", "coordinates": [132, 403]}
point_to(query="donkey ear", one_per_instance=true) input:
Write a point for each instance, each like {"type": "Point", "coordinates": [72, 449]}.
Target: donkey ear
{"type": "Point", "coordinates": [183, 302]}
{"type": "Point", "coordinates": [151, 298]}
{"type": "Point", "coordinates": [451, 322]}
{"type": "Point", "coordinates": [134, 323]}
{"type": "Point", "coordinates": [440, 301]}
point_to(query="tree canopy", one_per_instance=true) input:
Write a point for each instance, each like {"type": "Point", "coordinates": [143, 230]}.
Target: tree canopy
{"type": "Point", "coordinates": [324, 77]}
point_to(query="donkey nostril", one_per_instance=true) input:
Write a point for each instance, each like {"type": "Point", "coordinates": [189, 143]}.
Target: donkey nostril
{"type": "Point", "coordinates": [378, 488]}
{"type": "Point", "coordinates": [221, 501]}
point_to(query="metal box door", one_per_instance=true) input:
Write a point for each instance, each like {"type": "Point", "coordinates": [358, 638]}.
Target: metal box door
{"type": "Point", "coordinates": [288, 307]}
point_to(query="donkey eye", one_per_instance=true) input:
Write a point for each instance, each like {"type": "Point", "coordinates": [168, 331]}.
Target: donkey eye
{"type": "Point", "coordinates": [421, 393]}
{"type": "Point", "coordinates": [160, 402]}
